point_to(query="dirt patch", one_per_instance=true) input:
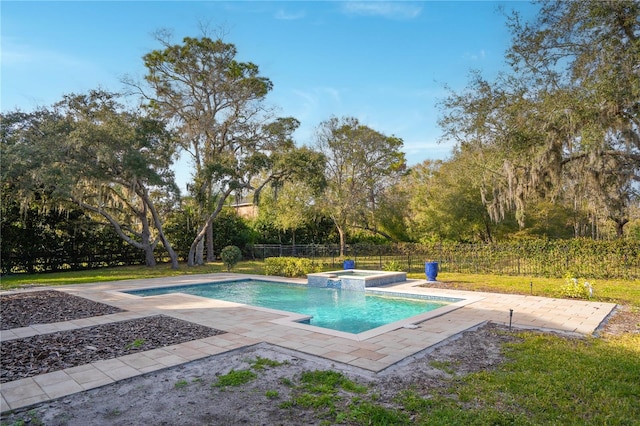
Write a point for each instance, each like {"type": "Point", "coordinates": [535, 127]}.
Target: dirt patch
{"type": "Point", "coordinates": [45, 307]}
{"type": "Point", "coordinates": [45, 353]}
{"type": "Point", "coordinates": [188, 394]}
{"type": "Point", "coordinates": [624, 319]}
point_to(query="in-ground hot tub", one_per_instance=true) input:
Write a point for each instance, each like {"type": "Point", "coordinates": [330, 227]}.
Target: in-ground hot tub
{"type": "Point", "coordinates": [354, 279]}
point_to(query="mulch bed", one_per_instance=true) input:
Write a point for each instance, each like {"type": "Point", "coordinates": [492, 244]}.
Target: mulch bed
{"type": "Point", "coordinates": [45, 353]}
{"type": "Point", "coordinates": [44, 307]}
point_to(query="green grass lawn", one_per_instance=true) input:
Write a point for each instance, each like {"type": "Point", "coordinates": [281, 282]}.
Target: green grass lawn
{"type": "Point", "coordinates": [547, 379]}
{"type": "Point", "coordinates": [122, 273]}
{"type": "Point", "coordinates": [625, 292]}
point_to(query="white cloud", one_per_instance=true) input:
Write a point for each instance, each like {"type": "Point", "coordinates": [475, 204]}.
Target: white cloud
{"type": "Point", "coordinates": [35, 75]}
{"type": "Point", "coordinates": [392, 10]}
{"type": "Point", "coordinates": [319, 95]}
{"type": "Point", "coordinates": [309, 101]}
{"type": "Point", "coordinates": [289, 16]}
{"type": "Point", "coordinates": [334, 94]}
{"type": "Point", "coordinates": [311, 106]}
{"type": "Point", "coordinates": [12, 56]}
{"type": "Point", "coordinates": [16, 54]}
{"type": "Point", "coordinates": [21, 54]}
{"type": "Point", "coordinates": [477, 56]}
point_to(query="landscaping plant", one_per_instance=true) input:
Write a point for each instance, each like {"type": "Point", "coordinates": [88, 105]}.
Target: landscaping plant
{"type": "Point", "coordinates": [230, 256]}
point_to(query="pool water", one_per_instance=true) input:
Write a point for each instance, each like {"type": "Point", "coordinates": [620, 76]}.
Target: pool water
{"type": "Point", "coordinates": [342, 310]}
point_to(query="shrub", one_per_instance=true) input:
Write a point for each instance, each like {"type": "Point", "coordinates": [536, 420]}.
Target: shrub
{"type": "Point", "coordinates": [573, 289]}
{"type": "Point", "coordinates": [230, 256]}
{"type": "Point", "coordinates": [289, 266]}
{"type": "Point", "coordinates": [392, 266]}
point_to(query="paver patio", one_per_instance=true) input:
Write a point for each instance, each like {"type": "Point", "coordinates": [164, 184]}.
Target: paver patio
{"type": "Point", "coordinates": [374, 350]}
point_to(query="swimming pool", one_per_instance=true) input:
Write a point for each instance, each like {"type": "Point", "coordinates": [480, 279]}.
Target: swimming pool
{"type": "Point", "coordinates": [336, 309]}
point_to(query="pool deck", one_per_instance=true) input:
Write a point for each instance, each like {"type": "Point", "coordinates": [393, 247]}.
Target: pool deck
{"type": "Point", "coordinates": [375, 350]}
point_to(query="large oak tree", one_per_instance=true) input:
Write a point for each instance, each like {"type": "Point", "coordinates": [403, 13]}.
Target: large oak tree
{"type": "Point", "coordinates": [565, 120]}
{"type": "Point", "coordinates": [91, 152]}
{"type": "Point", "coordinates": [217, 105]}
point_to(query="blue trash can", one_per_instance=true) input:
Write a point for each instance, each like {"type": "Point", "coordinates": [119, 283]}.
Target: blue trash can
{"type": "Point", "coordinates": [349, 264]}
{"type": "Point", "coordinates": [431, 270]}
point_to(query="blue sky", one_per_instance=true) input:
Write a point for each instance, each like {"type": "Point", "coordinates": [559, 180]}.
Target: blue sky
{"type": "Point", "coordinates": [385, 63]}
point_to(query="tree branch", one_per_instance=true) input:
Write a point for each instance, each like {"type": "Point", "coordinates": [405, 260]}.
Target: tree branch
{"type": "Point", "coordinates": [111, 220]}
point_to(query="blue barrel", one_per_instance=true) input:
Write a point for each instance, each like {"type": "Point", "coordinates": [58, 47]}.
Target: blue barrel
{"type": "Point", "coordinates": [349, 264]}
{"type": "Point", "coordinates": [431, 270]}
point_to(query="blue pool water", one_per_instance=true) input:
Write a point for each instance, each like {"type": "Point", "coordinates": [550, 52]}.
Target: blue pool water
{"type": "Point", "coordinates": [343, 310]}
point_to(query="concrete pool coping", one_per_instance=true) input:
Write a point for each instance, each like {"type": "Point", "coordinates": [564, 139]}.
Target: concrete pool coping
{"type": "Point", "coordinates": [246, 326]}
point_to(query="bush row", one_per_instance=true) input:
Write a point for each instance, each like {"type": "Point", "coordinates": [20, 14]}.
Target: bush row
{"type": "Point", "coordinates": [548, 258]}
{"type": "Point", "coordinates": [290, 266]}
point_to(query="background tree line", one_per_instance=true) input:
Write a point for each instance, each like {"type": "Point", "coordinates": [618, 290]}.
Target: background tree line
{"type": "Point", "coordinates": [550, 148]}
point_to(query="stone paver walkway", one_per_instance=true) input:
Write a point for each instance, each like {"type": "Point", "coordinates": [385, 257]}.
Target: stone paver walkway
{"type": "Point", "coordinates": [374, 350]}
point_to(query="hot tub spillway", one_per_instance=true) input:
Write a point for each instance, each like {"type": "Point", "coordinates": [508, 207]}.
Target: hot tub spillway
{"type": "Point", "coordinates": [354, 279]}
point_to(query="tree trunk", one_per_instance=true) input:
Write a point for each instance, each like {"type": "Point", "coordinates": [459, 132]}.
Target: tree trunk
{"type": "Point", "coordinates": [149, 258]}
{"type": "Point", "coordinates": [293, 242]}
{"type": "Point", "coordinates": [191, 258]}
{"type": "Point", "coordinates": [158, 224]}
{"type": "Point", "coordinates": [145, 242]}
{"type": "Point", "coordinates": [210, 254]}
{"type": "Point", "coordinates": [620, 223]}
{"type": "Point", "coordinates": [487, 228]}
{"type": "Point", "coordinates": [200, 252]}
{"type": "Point", "coordinates": [343, 242]}
{"type": "Point", "coordinates": [148, 246]}
{"type": "Point", "coordinates": [172, 253]}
